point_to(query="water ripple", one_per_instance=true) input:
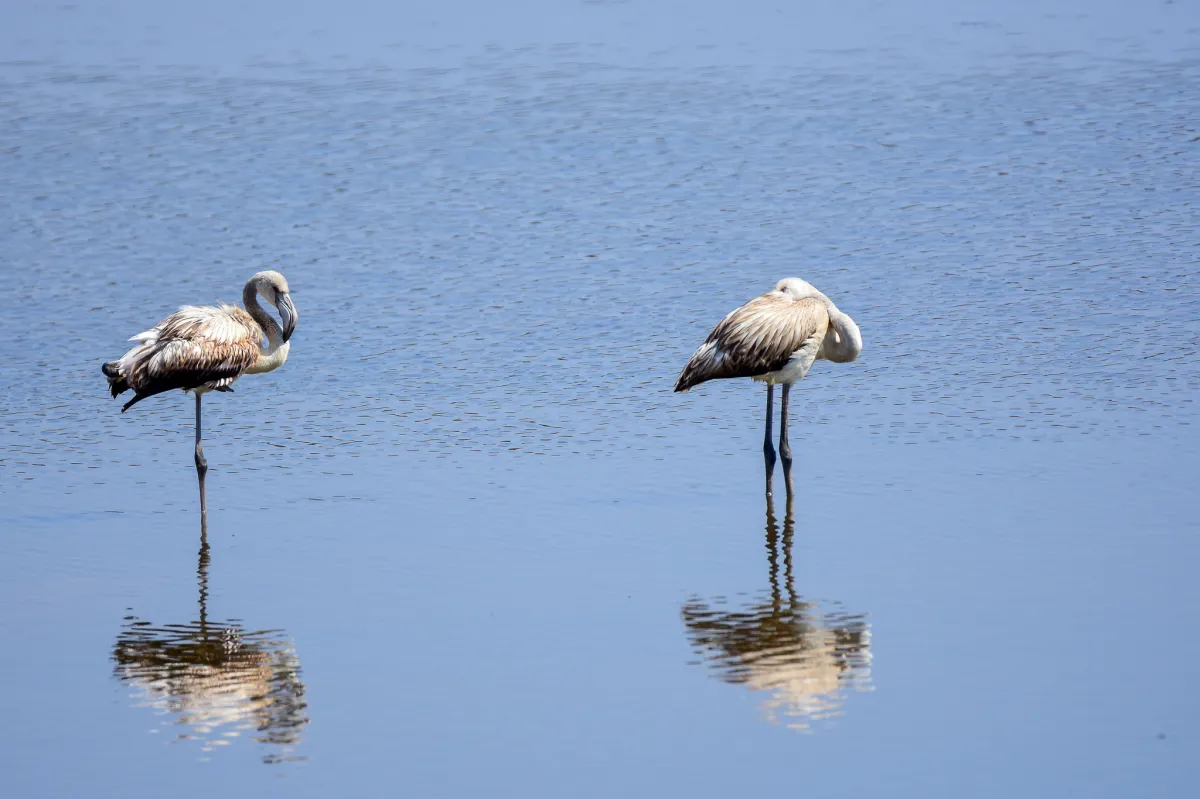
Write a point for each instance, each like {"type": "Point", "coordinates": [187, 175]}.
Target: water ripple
{"type": "Point", "coordinates": [517, 259]}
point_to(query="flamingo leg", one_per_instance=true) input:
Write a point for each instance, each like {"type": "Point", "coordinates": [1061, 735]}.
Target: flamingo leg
{"type": "Point", "coordinates": [788, 485]}
{"type": "Point", "coordinates": [785, 449]}
{"type": "Point", "coordinates": [768, 450]}
{"type": "Point", "coordinates": [201, 464]}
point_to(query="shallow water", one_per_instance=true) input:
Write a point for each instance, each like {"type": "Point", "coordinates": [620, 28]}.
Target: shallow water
{"type": "Point", "coordinates": [467, 541]}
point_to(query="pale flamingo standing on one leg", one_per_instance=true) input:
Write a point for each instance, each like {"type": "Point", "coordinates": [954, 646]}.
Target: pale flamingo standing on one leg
{"type": "Point", "coordinates": [205, 348]}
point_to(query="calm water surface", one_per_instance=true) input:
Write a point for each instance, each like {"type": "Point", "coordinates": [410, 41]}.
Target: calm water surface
{"type": "Point", "coordinates": [467, 542]}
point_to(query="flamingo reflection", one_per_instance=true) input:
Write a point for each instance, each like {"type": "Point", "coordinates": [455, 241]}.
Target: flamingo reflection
{"type": "Point", "coordinates": [804, 657]}
{"type": "Point", "coordinates": [217, 681]}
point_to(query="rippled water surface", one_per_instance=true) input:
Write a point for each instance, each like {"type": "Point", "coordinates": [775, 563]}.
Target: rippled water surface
{"type": "Point", "coordinates": [467, 541]}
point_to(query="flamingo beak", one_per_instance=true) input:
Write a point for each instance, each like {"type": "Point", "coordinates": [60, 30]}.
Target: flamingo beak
{"type": "Point", "coordinates": [287, 312]}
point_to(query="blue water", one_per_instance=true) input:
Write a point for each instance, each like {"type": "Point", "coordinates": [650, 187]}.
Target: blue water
{"type": "Point", "coordinates": [467, 541]}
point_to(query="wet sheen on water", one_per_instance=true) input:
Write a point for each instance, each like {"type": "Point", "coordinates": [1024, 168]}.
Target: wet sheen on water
{"type": "Point", "coordinates": [468, 534]}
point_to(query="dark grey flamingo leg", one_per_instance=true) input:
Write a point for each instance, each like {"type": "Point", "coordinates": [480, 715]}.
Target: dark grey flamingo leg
{"type": "Point", "coordinates": [787, 482]}
{"type": "Point", "coordinates": [785, 449]}
{"type": "Point", "coordinates": [201, 463]}
{"type": "Point", "coordinates": [768, 449]}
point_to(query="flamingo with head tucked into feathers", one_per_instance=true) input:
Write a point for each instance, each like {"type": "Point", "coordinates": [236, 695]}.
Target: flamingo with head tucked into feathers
{"type": "Point", "coordinates": [206, 348]}
{"type": "Point", "coordinates": [775, 338]}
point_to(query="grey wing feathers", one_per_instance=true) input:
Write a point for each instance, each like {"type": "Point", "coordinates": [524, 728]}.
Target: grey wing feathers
{"type": "Point", "coordinates": [185, 364]}
{"type": "Point", "coordinates": [757, 338]}
{"type": "Point", "coordinates": [197, 346]}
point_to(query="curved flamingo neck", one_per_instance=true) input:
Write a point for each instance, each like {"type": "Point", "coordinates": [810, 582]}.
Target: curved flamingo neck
{"type": "Point", "coordinates": [846, 342]}
{"type": "Point", "coordinates": [264, 319]}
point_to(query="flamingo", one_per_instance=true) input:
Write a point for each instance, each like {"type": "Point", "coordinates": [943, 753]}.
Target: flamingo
{"type": "Point", "coordinates": [775, 338]}
{"type": "Point", "coordinates": [206, 348]}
